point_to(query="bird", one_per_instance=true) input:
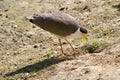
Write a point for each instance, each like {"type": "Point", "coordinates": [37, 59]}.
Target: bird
{"type": "Point", "coordinates": [62, 25]}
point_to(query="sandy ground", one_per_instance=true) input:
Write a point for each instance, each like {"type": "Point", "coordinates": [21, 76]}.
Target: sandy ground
{"type": "Point", "coordinates": [30, 53]}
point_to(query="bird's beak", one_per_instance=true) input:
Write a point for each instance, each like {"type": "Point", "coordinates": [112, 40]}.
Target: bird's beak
{"type": "Point", "coordinates": [84, 36]}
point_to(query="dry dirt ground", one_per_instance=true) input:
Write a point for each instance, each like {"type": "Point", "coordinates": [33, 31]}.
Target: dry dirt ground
{"type": "Point", "coordinates": [30, 53]}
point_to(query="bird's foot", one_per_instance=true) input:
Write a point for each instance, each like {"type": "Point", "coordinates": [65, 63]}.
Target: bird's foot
{"type": "Point", "coordinates": [76, 51]}
{"type": "Point", "coordinates": [64, 54]}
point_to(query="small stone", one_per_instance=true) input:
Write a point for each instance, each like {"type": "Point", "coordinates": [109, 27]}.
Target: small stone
{"type": "Point", "coordinates": [14, 40]}
{"type": "Point", "coordinates": [14, 26]}
{"type": "Point", "coordinates": [72, 68]}
{"type": "Point", "coordinates": [87, 72]}
{"type": "Point", "coordinates": [29, 36]}
{"type": "Point", "coordinates": [33, 26]}
{"type": "Point", "coordinates": [15, 64]}
{"type": "Point", "coordinates": [63, 8]}
{"type": "Point", "coordinates": [16, 52]}
{"type": "Point", "coordinates": [6, 16]}
{"type": "Point", "coordinates": [0, 14]}
{"type": "Point", "coordinates": [43, 47]}
{"type": "Point", "coordinates": [35, 46]}
{"type": "Point", "coordinates": [6, 10]}
{"type": "Point", "coordinates": [64, 43]}
{"type": "Point", "coordinates": [8, 53]}
{"type": "Point", "coordinates": [86, 7]}
{"type": "Point", "coordinates": [30, 59]}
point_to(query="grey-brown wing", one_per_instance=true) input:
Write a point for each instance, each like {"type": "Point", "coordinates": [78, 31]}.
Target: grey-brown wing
{"type": "Point", "coordinates": [57, 23]}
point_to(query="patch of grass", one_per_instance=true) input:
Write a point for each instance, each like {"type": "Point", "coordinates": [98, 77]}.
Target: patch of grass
{"type": "Point", "coordinates": [117, 6]}
{"type": "Point", "coordinates": [95, 45]}
{"type": "Point", "coordinates": [102, 31]}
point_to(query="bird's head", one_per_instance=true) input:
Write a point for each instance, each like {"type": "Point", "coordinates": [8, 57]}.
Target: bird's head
{"type": "Point", "coordinates": [37, 19]}
{"type": "Point", "coordinates": [84, 33]}
{"type": "Point", "coordinates": [34, 19]}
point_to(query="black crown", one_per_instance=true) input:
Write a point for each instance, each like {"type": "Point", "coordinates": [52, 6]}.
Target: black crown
{"type": "Point", "coordinates": [83, 30]}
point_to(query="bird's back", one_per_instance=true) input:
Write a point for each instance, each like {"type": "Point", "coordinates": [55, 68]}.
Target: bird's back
{"type": "Point", "coordinates": [60, 24]}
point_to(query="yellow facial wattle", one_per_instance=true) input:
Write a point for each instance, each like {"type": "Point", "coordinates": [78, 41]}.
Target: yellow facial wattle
{"type": "Point", "coordinates": [84, 36]}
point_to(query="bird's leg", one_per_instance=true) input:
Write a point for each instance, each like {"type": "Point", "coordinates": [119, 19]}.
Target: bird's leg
{"type": "Point", "coordinates": [61, 46]}
{"type": "Point", "coordinates": [72, 46]}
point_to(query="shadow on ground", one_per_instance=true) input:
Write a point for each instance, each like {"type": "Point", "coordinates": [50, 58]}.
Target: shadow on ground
{"type": "Point", "coordinates": [117, 6]}
{"type": "Point", "coordinates": [37, 66]}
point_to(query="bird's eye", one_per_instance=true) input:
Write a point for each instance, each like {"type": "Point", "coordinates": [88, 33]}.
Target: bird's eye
{"type": "Point", "coordinates": [35, 15]}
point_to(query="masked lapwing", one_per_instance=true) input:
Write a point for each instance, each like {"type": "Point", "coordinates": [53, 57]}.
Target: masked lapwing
{"type": "Point", "coordinates": [63, 25]}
